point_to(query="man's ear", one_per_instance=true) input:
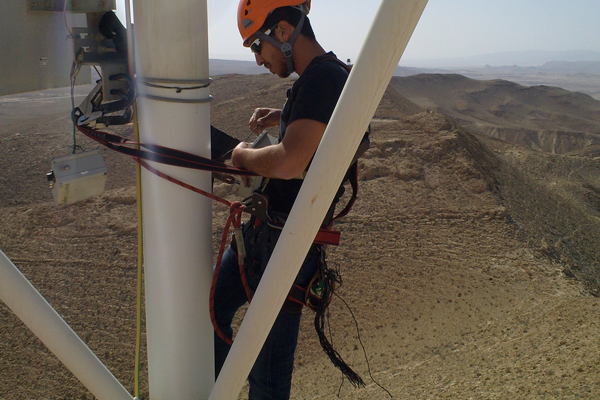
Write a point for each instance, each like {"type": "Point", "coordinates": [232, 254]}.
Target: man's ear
{"type": "Point", "coordinates": [285, 30]}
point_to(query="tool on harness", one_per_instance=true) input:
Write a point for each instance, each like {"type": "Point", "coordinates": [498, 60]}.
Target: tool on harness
{"type": "Point", "coordinates": [312, 295]}
{"type": "Point", "coordinates": [316, 294]}
{"type": "Point", "coordinates": [257, 205]}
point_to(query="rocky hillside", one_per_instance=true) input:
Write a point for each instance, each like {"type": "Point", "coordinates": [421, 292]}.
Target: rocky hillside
{"type": "Point", "coordinates": [539, 117]}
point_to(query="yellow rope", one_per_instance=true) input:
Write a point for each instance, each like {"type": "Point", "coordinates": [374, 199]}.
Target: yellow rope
{"type": "Point", "coordinates": [138, 336]}
{"type": "Point", "coordinates": [140, 269]}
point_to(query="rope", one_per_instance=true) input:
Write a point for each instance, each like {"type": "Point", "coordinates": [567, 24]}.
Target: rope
{"type": "Point", "coordinates": [159, 153]}
{"type": "Point", "coordinates": [176, 181]}
{"type": "Point", "coordinates": [140, 266]}
{"type": "Point", "coordinates": [235, 219]}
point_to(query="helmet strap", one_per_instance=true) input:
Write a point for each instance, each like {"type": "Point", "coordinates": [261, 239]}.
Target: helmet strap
{"type": "Point", "coordinates": [286, 48]}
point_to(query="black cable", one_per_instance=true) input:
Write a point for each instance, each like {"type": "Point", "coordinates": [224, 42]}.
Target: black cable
{"type": "Point", "coordinates": [339, 276]}
{"type": "Point", "coordinates": [331, 340]}
{"type": "Point", "coordinates": [362, 345]}
{"type": "Point", "coordinates": [224, 156]}
{"type": "Point", "coordinates": [329, 278]}
{"type": "Point", "coordinates": [177, 89]}
{"type": "Point", "coordinates": [73, 76]}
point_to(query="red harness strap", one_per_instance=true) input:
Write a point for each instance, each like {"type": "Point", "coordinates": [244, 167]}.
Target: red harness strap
{"type": "Point", "coordinates": [235, 219]}
{"type": "Point", "coordinates": [327, 237]}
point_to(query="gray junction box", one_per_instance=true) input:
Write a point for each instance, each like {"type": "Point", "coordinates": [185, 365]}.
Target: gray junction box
{"type": "Point", "coordinates": [77, 176]}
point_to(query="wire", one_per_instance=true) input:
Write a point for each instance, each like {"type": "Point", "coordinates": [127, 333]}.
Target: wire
{"type": "Point", "coordinates": [362, 345]}
{"type": "Point", "coordinates": [65, 19]}
{"type": "Point", "coordinates": [98, 72]}
{"type": "Point", "coordinates": [329, 279]}
{"type": "Point", "coordinates": [140, 266]}
{"type": "Point", "coordinates": [245, 140]}
{"type": "Point", "coordinates": [140, 274]}
{"type": "Point", "coordinates": [75, 68]}
{"type": "Point", "coordinates": [342, 378]}
{"type": "Point", "coordinates": [177, 89]}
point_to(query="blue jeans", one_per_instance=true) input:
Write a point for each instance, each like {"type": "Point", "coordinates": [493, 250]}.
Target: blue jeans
{"type": "Point", "coordinates": [271, 376]}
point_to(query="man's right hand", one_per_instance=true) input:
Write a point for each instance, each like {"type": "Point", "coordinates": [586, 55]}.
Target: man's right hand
{"type": "Point", "coordinates": [263, 118]}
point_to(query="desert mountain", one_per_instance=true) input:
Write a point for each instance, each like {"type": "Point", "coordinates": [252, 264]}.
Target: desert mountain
{"type": "Point", "coordinates": [529, 69]}
{"type": "Point", "coordinates": [580, 76]}
{"type": "Point", "coordinates": [522, 58]}
{"type": "Point", "coordinates": [469, 263]}
{"type": "Point", "coordinates": [539, 117]}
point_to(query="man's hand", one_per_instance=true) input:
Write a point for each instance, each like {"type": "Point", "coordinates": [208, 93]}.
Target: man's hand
{"type": "Point", "coordinates": [284, 160]}
{"type": "Point", "coordinates": [237, 158]}
{"type": "Point", "coordinates": [263, 118]}
{"type": "Point", "coordinates": [237, 155]}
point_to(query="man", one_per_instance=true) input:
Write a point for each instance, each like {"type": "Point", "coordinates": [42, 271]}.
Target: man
{"type": "Point", "coordinates": [281, 37]}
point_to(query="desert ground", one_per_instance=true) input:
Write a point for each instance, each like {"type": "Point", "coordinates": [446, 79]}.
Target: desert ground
{"type": "Point", "coordinates": [470, 262]}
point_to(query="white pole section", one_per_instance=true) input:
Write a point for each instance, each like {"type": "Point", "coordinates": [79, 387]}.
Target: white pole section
{"type": "Point", "coordinates": [39, 316]}
{"type": "Point", "coordinates": [389, 34]}
{"type": "Point", "coordinates": [171, 50]}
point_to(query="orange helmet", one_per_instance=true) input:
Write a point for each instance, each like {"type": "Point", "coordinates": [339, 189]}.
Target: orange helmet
{"type": "Point", "coordinates": [253, 13]}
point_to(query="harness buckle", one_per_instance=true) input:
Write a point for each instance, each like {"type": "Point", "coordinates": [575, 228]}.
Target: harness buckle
{"type": "Point", "coordinates": [257, 205]}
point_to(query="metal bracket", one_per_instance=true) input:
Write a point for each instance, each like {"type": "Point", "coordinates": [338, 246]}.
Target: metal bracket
{"type": "Point", "coordinates": [92, 48]}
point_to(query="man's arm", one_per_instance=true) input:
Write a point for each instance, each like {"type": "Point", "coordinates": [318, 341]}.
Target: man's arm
{"type": "Point", "coordinates": [285, 160]}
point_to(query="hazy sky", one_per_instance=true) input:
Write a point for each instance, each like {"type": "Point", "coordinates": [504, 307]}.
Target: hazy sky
{"type": "Point", "coordinates": [448, 28]}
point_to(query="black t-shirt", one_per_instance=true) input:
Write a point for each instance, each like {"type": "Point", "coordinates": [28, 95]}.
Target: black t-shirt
{"type": "Point", "coordinates": [313, 96]}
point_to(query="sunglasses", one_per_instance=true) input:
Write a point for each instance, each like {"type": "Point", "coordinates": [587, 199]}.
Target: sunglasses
{"type": "Point", "coordinates": [255, 47]}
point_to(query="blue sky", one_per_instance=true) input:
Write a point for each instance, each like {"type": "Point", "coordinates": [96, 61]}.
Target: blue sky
{"type": "Point", "coordinates": [448, 28]}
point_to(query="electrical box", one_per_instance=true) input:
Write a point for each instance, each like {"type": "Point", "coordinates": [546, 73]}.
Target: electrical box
{"type": "Point", "coordinates": [254, 182]}
{"type": "Point", "coordinates": [77, 176]}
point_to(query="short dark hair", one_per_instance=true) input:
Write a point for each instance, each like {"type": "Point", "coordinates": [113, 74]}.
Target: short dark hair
{"type": "Point", "coordinates": [291, 15]}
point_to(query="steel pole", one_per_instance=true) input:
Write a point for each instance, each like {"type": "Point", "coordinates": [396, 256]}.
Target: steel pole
{"type": "Point", "coordinates": [171, 50]}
